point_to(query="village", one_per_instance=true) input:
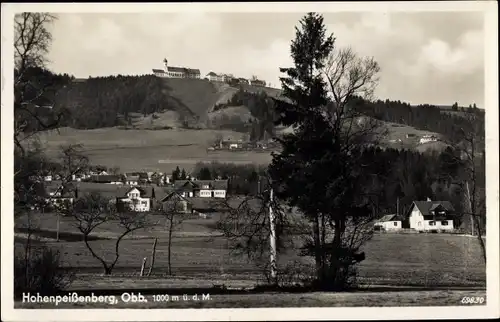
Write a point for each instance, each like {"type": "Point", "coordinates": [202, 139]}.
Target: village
{"type": "Point", "coordinates": [274, 172]}
{"type": "Point", "coordinates": [147, 191]}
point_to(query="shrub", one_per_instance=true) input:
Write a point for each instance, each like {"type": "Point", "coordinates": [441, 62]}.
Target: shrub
{"type": "Point", "coordinates": [39, 273]}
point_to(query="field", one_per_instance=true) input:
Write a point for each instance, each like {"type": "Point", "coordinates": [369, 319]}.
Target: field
{"type": "Point", "coordinates": [163, 150]}
{"type": "Point", "coordinates": [201, 258]}
{"type": "Point", "coordinates": [149, 150]}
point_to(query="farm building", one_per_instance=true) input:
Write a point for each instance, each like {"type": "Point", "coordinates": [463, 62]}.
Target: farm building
{"type": "Point", "coordinates": [196, 205]}
{"type": "Point", "coordinates": [107, 178]}
{"type": "Point", "coordinates": [389, 222]}
{"type": "Point", "coordinates": [136, 178]}
{"type": "Point", "coordinates": [176, 72]}
{"type": "Point", "coordinates": [230, 144]}
{"type": "Point", "coordinates": [427, 138]}
{"type": "Point", "coordinates": [201, 188]}
{"type": "Point", "coordinates": [431, 216]}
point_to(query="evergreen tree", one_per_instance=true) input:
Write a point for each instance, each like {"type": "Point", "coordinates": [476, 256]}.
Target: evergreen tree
{"type": "Point", "coordinates": [183, 174]}
{"type": "Point", "coordinates": [176, 174]}
{"type": "Point", "coordinates": [319, 169]}
{"type": "Point", "coordinates": [205, 174]}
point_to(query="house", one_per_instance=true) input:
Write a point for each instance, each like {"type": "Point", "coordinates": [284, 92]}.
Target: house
{"type": "Point", "coordinates": [229, 144]}
{"type": "Point", "coordinates": [243, 81]}
{"type": "Point", "coordinates": [427, 138]}
{"type": "Point", "coordinates": [58, 195]}
{"type": "Point", "coordinates": [176, 72]}
{"type": "Point", "coordinates": [213, 77]}
{"type": "Point", "coordinates": [257, 82]}
{"type": "Point", "coordinates": [47, 178]}
{"type": "Point", "coordinates": [135, 198]}
{"type": "Point", "coordinates": [136, 178]}
{"type": "Point", "coordinates": [227, 78]}
{"type": "Point", "coordinates": [107, 178]}
{"type": "Point", "coordinates": [132, 180]}
{"type": "Point", "coordinates": [389, 222]}
{"type": "Point", "coordinates": [183, 205]}
{"type": "Point", "coordinates": [201, 188]}
{"type": "Point", "coordinates": [431, 216]}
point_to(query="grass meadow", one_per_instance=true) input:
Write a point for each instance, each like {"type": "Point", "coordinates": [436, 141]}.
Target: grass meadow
{"type": "Point", "coordinates": [164, 150]}
{"type": "Point", "coordinates": [149, 150]}
{"type": "Point", "coordinates": [200, 256]}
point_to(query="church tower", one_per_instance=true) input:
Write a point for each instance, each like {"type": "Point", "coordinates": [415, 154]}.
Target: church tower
{"type": "Point", "coordinates": [165, 63]}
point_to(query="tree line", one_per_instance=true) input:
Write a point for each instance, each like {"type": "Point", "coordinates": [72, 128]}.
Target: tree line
{"type": "Point", "coordinates": [423, 116]}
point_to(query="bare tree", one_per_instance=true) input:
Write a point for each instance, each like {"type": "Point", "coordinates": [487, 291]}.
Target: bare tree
{"type": "Point", "coordinates": [174, 210]}
{"type": "Point", "coordinates": [467, 155]}
{"type": "Point", "coordinates": [32, 41]}
{"type": "Point", "coordinates": [245, 222]}
{"type": "Point", "coordinates": [93, 210]}
{"type": "Point", "coordinates": [73, 160]}
{"type": "Point", "coordinates": [348, 77]}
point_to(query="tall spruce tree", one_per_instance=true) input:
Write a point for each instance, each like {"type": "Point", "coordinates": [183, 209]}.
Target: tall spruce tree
{"type": "Point", "coordinates": [316, 171]}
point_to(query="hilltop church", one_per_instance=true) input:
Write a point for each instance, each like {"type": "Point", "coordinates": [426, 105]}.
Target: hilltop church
{"type": "Point", "coordinates": [176, 72]}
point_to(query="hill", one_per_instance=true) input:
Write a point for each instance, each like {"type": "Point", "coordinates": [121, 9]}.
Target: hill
{"type": "Point", "coordinates": [111, 101]}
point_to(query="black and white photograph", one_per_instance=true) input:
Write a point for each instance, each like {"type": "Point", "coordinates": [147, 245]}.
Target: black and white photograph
{"type": "Point", "coordinates": [289, 159]}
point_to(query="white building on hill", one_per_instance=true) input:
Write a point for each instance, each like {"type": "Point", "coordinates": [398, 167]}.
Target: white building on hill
{"type": "Point", "coordinates": [176, 72]}
{"type": "Point", "coordinates": [427, 138]}
{"type": "Point", "coordinates": [213, 77]}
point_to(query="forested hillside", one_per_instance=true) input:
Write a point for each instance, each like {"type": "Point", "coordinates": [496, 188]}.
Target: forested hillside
{"type": "Point", "coordinates": [108, 101]}
{"type": "Point", "coordinates": [422, 117]}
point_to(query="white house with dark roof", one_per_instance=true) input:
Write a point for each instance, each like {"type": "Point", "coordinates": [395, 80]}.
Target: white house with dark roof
{"type": "Point", "coordinates": [431, 216]}
{"type": "Point", "coordinates": [201, 188]}
{"type": "Point", "coordinates": [176, 72]}
{"type": "Point", "coordinates": [135, 198]}
{"type": "Point", "coordinates": [389, 222]}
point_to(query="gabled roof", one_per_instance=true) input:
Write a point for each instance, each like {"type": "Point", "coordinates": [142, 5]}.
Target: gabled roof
{"type": "Point", "coordinates": [193, 71]}
{"type": "Point", "coordinates": [146, 192]}
{"type": "Point", "coordinates": [392, 217]}
{"type": "Point", "coordinates": [188, 185]}
{"type": "Point", "coordinates": [181, 185]}
{"type": "Point", "coordinates": [426, 207]}
{"type": "Point", "coordinates": [176, 69]}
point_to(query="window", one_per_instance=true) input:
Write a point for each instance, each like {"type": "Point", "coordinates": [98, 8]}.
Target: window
{"type": "Point", "coordinates": [395, 224]}
{"type": "Point", "coordinates": [432, 223]}
{"type": "Point", "coordinates": [444, 223]}
{"type": "Point", "coordinates": [144, 203]}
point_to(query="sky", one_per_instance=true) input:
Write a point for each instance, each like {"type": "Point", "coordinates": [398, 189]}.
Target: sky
{"type": "Point", "coordinates": [425, 57]}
